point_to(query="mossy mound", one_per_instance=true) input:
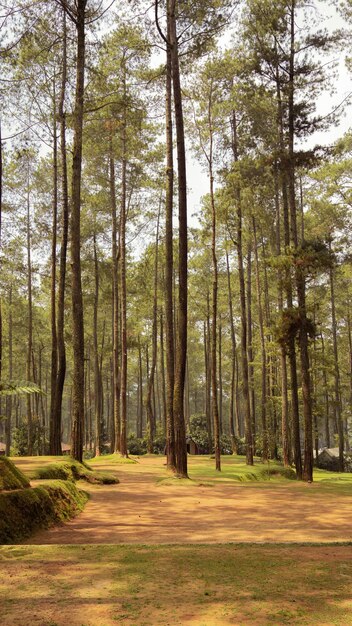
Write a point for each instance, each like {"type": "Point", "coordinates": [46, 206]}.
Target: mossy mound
{"type": "Point", "coordinates": [24, 511]}
{"type": "Point", "coordinates": [10, 476]}
{"type": "Point", "coordinates": [267, 473]}
{"type": "Point", "coordinates": [72, 470]}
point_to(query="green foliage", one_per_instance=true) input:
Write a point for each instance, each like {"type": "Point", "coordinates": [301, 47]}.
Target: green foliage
{"type": "Point", "coordinates": [24, 511]}
{"type": "Point", "coordinates": [20, 438]}
{"type": "Point", "coordinates": [18, 388]}
{"type": "Point", "coordinates": [135, 445]}
{"type": "Point", "coordinates": [198, 430]}
{"type": "Point", "coordinates": [10, 476]}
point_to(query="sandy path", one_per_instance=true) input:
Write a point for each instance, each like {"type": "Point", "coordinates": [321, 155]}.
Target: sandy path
{"type": "Point", "coordinates": [139, 510]}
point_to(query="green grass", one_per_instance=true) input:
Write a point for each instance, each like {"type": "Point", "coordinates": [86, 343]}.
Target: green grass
{"type": "Point", "coordinates": [234, 468]}
{"type": "Point", "coordinates": [10, 476]}
{"type": "Point", "coordinates": [103, 585]}
{"type": "Point", "coordinates": [26, 510]}
{"type": "Point", "coordinates": [113, 458]}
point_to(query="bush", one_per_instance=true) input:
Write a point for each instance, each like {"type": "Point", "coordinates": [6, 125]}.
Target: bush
{"type": "Point", "coordinates": [136, 446]}
{"type": "Point", "coordinates": [20, 439]}
{"type": "Point", "coordinates": [198, 430]}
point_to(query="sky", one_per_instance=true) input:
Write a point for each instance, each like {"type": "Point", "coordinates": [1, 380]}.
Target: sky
{"type": "Point", "coordinates": [329, 18]}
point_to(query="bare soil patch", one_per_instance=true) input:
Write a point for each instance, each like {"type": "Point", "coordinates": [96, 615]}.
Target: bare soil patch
{"type": "Point", "coordinates": [141, 510]}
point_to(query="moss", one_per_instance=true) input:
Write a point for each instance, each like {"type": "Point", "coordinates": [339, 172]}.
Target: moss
{"type": "Point", "coordinates": [10, 476]}
{"type": "Point", "coordinates": [72, 470]}
{"type": "Point", "coordinates": [24, 511]}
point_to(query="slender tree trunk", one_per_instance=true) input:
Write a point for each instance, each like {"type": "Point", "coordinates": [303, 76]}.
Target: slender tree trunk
{"type": "Point", "coordinates": [9, 398]}
{"type": "Point", "coordinates": [181, 353]}
{"type": "Point", "coordinates": [123, 434]}
{"type": "Point", "coordinates": [115, 304]}
{"type": "Point", "coordinates": [55, 434]}
{"type": "Point", "coordinates": [162, 367]}
{"type": "Point", "coordinates": [30, 323]}
{"type": "Point", "coordinates": [54, 348]}
{"type": "Point", "coordinates": [263, 347]}
{"type": "Point", "coordinates": [337, 400]}
{"type": "Point", "coordinates": [220, 379]}
{"type": "Point", "coordinates": [77, 298]}
{"type": "Point", "coordinates": [283, 362]}
{"type": "Point", "coordinates": [140, 370]}
{"type": "Point", "coordinates": [97, 382]}
{"type": "Point", "coordinates": [289, 298]}
{"type": "Point", "coordinates": [244, 357]}
{"type": "Point", "coordinates": [250, 342]}
{"type": "Point", "coordinates": [151, 421]}
{"type": "Point", "coordinates": [233, 398]}
{"type": "Point", "coordinates": [299, 274]}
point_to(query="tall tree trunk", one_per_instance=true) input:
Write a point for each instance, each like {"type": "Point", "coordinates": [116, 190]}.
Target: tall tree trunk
{"type": "Point", "coordinates": [283, 363]}
{"type": "Point", "coordinates": [181, 352]}
{"type": "Point", "coordinates": [55, 433]}
{"type": "Point", "coordinates": [299, 273]}
{"type": "Point", "coordinates": [326, 394]}
{"type": "Point", "coordinates": [30, 323]}
{"type": "Point", "coordinates": [250, 342]}
{"type": "Point", "coordinates": [288, 282]}
{"type": "Point", "coordinates": [244, 357]}
{"type": "Point", "coordinates": [233, 398]}
{"type": "Point", "coordinates": [162, 367]}
{"type": "Point", "coordinates": [337, 399]}
{"type": "Point", "coordinates": [9, 398]}
{"type": "Point", "coordinates": [123, 217]}
{"type": "Point", "coordinates": [97, 373]}
{"type": "Point", "coordinates": [220, 379]}
{"type": "Point", "coordinates": [140, 377]}
{"type": "Point", "coordinates": [54, 349]}
{"type": "Point", "coordinates": [151, 421]}
{"type": "Point", "coordinates": [115, 304]}
{"type": "Point", "coordinates": [263, 347]}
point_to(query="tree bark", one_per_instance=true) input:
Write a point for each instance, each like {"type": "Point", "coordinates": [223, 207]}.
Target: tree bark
{"type": "Point", "coordinates": [77, 298]}
{"type": "Point", "coordinates": [181, 352]}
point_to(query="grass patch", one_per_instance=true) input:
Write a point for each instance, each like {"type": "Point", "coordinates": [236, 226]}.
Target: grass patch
{"type": "Point", "coordinates": [222, 585]}
{"type": "Point", "coordinates": [73, 470]}
{"type": "Point", "coordinates": [26, 510]}
{"type": "Point", "coordinates": [113, 458]}
{"type": "Point", "coordinates": [10, 476]}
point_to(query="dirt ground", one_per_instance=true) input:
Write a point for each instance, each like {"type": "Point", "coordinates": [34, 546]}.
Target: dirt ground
{"type": "Point", "coordinates": [140, 510]}
{"type": "Point", "coordinates": [180, 585]}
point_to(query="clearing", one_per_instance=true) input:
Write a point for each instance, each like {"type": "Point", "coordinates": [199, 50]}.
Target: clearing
{"type": "Point", "coordinates": [144, 508]}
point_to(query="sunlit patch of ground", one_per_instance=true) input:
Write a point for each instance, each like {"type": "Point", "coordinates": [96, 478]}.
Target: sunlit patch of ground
{"type": "Point", "coordinates": [199, 585]}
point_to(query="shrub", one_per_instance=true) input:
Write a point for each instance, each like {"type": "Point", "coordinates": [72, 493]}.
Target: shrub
{"type": "Point", "coordinates": [135, 445]}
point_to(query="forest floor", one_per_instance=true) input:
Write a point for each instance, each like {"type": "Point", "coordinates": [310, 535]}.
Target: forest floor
{"type": "Point", "coordinates": [145, 508]}
{"type": "Point", "coordinates": [86, 580]}
{"type": "Point", "coordinates": [184, 585]}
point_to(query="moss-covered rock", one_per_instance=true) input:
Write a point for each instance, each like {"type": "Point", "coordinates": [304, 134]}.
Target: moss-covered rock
{"type": "Point", "coordinates": [10, 476]}
{"type": "Point", "coordinates": [26, 510]}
